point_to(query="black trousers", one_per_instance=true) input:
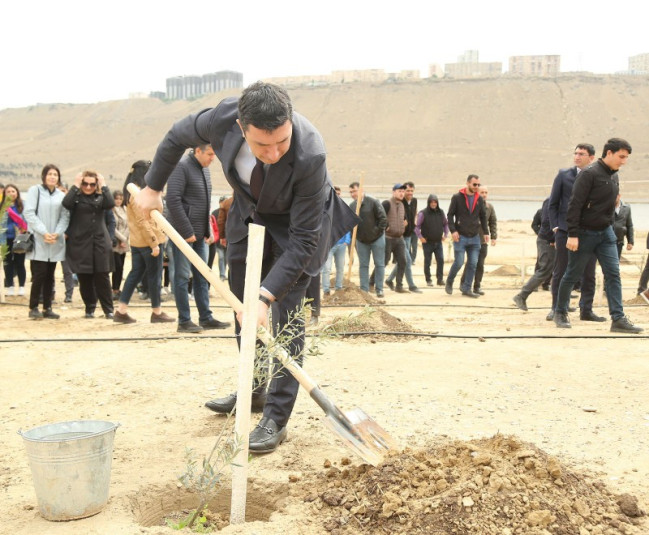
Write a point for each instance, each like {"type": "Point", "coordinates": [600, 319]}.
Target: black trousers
{"type": "Point", "coordinates": [42, 283]}
{"type": "Point", "coordinates": [283, 388]}
{"type": "Point", "coordinates": [118, 274]}
{"type": "Point", "coordinates": [560, 265]}
{"type": "Point", "coordinates": [93, 287]}
{"type": "Point", "coordinates": [398, 247]}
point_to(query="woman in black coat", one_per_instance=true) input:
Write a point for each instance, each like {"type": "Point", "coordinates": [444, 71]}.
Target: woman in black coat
{"type": "Point", "coordinates": [89, 251]}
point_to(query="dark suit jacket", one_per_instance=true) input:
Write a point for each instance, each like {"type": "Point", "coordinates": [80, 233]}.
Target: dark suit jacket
{"type": "Point", "coordinates": [297, 204]}
{"type": "Point", "coordinates": [560, 197]}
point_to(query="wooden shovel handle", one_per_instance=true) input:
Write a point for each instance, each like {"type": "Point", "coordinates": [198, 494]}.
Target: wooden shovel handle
{"type": "Point", "coordinates": [224, 291]}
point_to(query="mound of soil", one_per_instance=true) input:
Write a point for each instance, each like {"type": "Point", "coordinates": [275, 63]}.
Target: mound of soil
{"type": "Point", "coordinates": [506, 270]}
{"type": "Point", "coordinates": [495, 486]}
{"type": "Point", "coordinates": [350, 295]}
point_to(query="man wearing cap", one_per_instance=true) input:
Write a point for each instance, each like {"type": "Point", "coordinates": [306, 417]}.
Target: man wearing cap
{"type": "Point", "coordinates": [394, 243]}
{"type": "Point", "coordinates": [466, 217]}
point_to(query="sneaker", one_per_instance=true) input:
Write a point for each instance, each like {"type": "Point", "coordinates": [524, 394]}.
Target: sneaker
{"type": "Point", "coordinates": [213, 323]}
{"type": "Point", "coordinates": [441, 282]}
{"type": "Point", "coordinates": [519, 301]}
{"type": "Point", "coordinates": [125, 318]}
{"type": "Point", "coordinates": [389, 284]}
{"type": "Point", "coordinates": [35, 314]}
{"type": "Point", "coordinates": [21, 290]}
{"type": "Point", "coordinates": [68, 300]}
{"type": "Point", "coordinates": [561, 320]}
{"type": "Point", "coordinates": [10, 291]}
{"type": "Point", "coordinates": [50, 315]}
{"type": "Point", "coordinates": [469, 293]}
{"type": "Point", "coordinates": [109, 316]}
{"type": "Point", "coordinates": [189, 327]}
{"type": "Point", "coordinates": [161, 318]}
{"type": "Point", "coordinates": [624, 325]}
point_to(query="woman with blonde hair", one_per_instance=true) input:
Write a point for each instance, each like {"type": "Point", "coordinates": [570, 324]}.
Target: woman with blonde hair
{"type": "Point", "coordinates": [89, 249]}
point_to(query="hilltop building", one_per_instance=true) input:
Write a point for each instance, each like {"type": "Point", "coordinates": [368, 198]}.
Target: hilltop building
{"type": "Point", "coordinates": [639, 64]}
{"type": "Point", "coordinates": [535, 65]}
{"type": "Point", "coordinates": [468, 66]}
{"type": "Point", "coordinates": [187, 87]}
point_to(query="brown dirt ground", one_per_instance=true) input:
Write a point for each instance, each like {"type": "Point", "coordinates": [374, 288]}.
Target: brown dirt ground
{"type": "Point", "coordinates": [504, 423]}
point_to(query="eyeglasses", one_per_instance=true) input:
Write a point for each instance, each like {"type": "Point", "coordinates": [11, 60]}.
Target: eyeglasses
{"type": "Point", "coordinates": [475, 185]}
{"type": "Point", "coordinates": [89, 184]}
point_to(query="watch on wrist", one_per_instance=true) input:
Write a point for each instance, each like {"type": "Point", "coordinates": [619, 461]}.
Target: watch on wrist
{"type": "Point", "coordinates": [265, 300]}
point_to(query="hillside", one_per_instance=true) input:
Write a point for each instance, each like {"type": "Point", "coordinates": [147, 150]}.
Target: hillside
{"type": "Point", "coordinates": [514, 132]}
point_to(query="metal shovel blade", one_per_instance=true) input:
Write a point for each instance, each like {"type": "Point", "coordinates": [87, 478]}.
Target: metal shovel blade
{"type": "Point", "coordinates": [362, 434]}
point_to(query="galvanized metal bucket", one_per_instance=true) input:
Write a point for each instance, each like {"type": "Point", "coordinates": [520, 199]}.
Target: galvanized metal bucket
{"type": "Point", "coordinates": [70, 464]}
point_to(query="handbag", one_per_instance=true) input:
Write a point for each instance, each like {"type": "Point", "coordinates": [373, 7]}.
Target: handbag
{"type": "Point", "coordinates": [23, 243]}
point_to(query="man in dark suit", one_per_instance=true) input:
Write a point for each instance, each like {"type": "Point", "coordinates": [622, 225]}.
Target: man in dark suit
{"type": "Point", "coordinates": [275, 161]}
{"type": "Point", "coordinates": [584, 155]}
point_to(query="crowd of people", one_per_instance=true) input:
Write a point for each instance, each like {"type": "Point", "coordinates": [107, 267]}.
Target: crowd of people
{"type": "Point", "coordinates": [275, 162]}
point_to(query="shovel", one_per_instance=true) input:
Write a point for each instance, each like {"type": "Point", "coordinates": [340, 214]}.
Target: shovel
{"type": "Point", "coordinates": [360, 432]}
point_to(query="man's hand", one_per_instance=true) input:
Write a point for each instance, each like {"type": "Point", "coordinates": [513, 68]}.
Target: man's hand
{"type": "Point", "coordinates": [486, 238]}
{"type": "Point", "coordinates": [629, 246]}
{"type": "Point", "coordinates": [262, 316]}
{"type": "Point", "coordinates": [572, 244]}
{"type": "Point", "coordinates": [422, 240]}
{"type": "Point", "coordinates": [155, 251]}
{"type": "Point", "coordinates": [492, 243]}
{"type": "Point", "coordinates": [191, 239]}
{"type": "Point", "coordinates": [224, 242]}
{"type": "Point", "coordinates": [148, 199]}
{"type": "Point", "coordinates": [456, 236]}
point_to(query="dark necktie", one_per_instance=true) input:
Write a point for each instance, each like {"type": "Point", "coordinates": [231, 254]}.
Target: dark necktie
{"type": "Point", "coordinates": [257, 180]}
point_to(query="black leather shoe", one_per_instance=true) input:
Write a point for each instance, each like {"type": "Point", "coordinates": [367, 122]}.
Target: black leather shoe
{"type": "Point", "coordinates": [35, 314]}
{"type": "Point", "coordinates": [550, 316]}
{"type": "Point", "coordinates": [389, 284]}
{"type": "Point", "coordinates": [228, 403]}
{"type": "Point", "coordinates": [571, 309]}
{"type": "Point", "coordinates": [469, 293]}
{"type": "Point", "coordinates": [266, 436]}
{"type": "Point", "coordinates": [400, 290]}
{"type": "Point", "coordinates": [189, 327]}
{"type": "Point", "coordinates": [448, 288]}
{"type": "Point", "coordinates": [589, 315]}
{"type": "Point", "coordinates": [213, 323]}
{"type": "Point", "coordinates": [415, 290]}
{"type": "Point", "coordinates": [519, 301]}
{"type": "Point", "coordinates": [50, 314]}
{"type": "Point", "coordinates": [623, 325]}
{"type": "Point", "coordinates": [561, 320]}
{"type": "Point", "coordinates": [478, 291]}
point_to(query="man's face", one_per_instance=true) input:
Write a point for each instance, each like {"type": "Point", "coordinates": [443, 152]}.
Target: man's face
{"type": "Point", "coordinates": [433, 205]}
{"type": "Point", "coordinates": [615, 160]}
{"type": "Point", "coordinates": [354, 192]}
{"type": "Point", "coordinates": [581, 158]}
{"type": "Point", "coordinates": [484, 193]}
{"type": "Point", "coordinates": [472, 186]}
{"type": "Point", "coordinates": [269, 147]}
{"type": "Point", "coordinates": [409, 193]}
{"type": "Point", "coordinates": [399, 194]}
{"type": "Point", "coordinates": [206, 157]}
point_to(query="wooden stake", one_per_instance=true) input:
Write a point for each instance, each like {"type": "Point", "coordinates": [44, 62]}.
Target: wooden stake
{"type": "Point", "coordinates": [353, 243]}
{"type": "Point", "coordinates": [246, 367]}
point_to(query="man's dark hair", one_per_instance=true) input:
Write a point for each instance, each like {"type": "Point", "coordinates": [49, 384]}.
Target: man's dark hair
{"type": "Point", "coordinates": [471, 177]}
{"type": "Point", "coordinates": [264, 106]}
{"type": "Point", "coordinates": [587, 147]}
{"type": "Point", "coordinates": [355, 185]}
{"type": "Point", "coordinates": [615, 144]}
{"type": "Point", "coordinates": [409, 185]}
{"type": "Point", "coordinates": [203, 147]}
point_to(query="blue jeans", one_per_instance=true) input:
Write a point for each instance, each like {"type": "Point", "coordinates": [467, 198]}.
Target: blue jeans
{"type": "Point", "coordinates": [603, 244]}
{"type": "Point", "coordinates": [412, 242]}
{"type": "Point", "coordinates": [142, 262]}
{"type": "Point", "coordinates": [472, 248]}
{"type": "Point", "coordinates": [336, 254]}
{"type": "Point", "coordinates": [182, 270]}
{"type": "Point", "coordinates": [377, 250]}
{"type": "Point", "coordinates": [408, 269]}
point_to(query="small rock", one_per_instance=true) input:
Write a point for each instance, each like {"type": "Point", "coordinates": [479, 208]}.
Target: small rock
{"type": "Point", "coordinates": [589, 409]}
{"type": "Point", "coordinates": [467, 501]}
{"type": "Point", "coordinates": [629, 505]}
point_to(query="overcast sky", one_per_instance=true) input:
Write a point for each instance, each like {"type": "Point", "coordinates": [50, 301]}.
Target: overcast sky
{"type": "Point", "coordinates": [85, 51]}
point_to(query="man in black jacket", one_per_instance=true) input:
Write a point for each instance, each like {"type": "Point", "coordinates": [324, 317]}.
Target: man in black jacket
{"type": "Point", "coordinates": [370, 238]}
{"type": "Point", "coordinates": [188, 201]}
{"type": "Point", "coordinates": [590, 231]}
{"type": "Point", "coordinates": [431, 227]}
{"type": "Point", "coordinates": [466, 216]}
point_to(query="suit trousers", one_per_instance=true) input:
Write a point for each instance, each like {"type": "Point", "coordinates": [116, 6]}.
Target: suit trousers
{"type": "Point", "coordinates": [560, 265]}
{"type": "Point", "coordinates": [437, 249]}
{"type": "Point", "coordinates": [545, 263]}
{"type": "Point", "coordinates": [283, 388]}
